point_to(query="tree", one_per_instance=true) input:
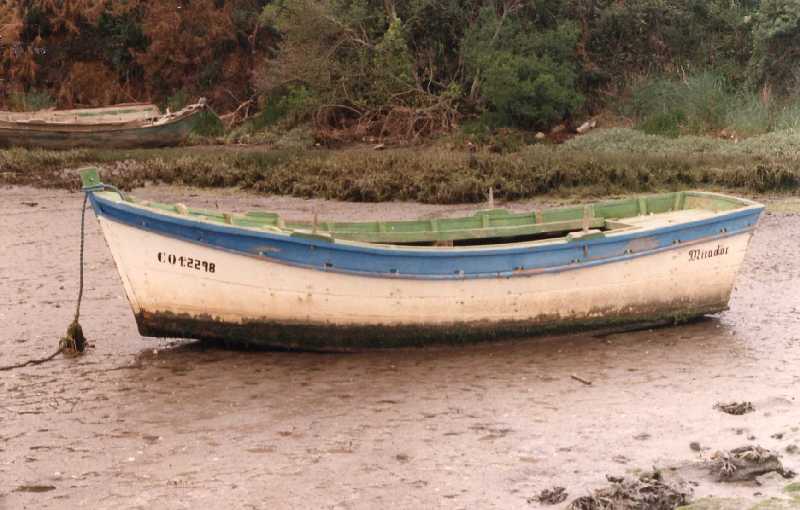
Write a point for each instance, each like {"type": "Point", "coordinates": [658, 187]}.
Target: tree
{"type": "Point", "coordinates": [776, 57]}
{"type": "Point", "coordinates": [100, 51]}
{"type": "Point", "coordinates": [523, 64]}
{"type": "Point", "coordinates": [355, 59]}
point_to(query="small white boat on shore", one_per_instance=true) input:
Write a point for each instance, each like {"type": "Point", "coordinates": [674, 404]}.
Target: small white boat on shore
{"type": "Point", "coordinates": [255, 279]}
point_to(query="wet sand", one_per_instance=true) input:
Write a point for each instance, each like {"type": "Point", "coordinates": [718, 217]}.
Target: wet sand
{"type": "Point", "coordinates": [144, 423]}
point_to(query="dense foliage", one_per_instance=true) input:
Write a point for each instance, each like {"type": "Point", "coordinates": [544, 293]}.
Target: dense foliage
{"type": "Point", "coordinates": [410, 67]}
{"type": "Point", "coordinates": [96, 52]}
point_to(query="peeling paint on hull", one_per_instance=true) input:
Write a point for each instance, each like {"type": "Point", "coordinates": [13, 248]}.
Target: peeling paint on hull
{"type": "Point", "coordinates": [255, 301]}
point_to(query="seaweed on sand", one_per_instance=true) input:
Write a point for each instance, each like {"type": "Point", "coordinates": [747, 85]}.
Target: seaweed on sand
{"type": "Point", "coordinates": [648, 492]}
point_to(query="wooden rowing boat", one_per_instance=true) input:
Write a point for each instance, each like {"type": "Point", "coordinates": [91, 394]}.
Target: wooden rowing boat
{"type": "Point", "coordinates": [257, 279]}
{"type": "Point", "coordinates": [122, 127]}
{"type": "Point", "coordinates": [117, 114]}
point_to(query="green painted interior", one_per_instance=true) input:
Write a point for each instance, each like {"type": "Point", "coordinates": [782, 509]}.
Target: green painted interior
{"type": "Point", "coordinates": [494, 224]}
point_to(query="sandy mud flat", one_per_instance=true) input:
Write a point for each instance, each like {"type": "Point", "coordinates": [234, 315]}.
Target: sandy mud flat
{"type": "Point", "coordinates": [144, 423]}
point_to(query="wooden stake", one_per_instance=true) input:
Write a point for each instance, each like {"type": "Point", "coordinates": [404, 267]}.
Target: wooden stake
{"type": "Point", "coordinates": [587, 216]}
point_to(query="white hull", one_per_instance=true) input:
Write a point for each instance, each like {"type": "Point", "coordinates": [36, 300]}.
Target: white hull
{"type": "Point", "coordinates": [242, 290]}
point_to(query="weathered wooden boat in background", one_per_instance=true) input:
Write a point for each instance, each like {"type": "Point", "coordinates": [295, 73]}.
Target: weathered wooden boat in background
{"type": "Point", "coordinates": [257, 279]}
{"type": "Point", "coordinates": [122, 127]}
{"type": "Point", "coordinates": [116, 114]}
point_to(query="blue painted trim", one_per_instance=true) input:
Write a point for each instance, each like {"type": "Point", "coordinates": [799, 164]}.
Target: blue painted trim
{"type": "Point", "coordinates": [459, 263]}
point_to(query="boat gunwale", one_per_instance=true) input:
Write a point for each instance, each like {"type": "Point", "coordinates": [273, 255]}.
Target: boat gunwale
{"type": "Point", "coordinates": [472, 276]}
{"type": "Point", "coordinates": [106, 127]}
{"type": "Point", "coordinates": [47, 116]}
{"type": "Point", "coordinates": [553, 244]}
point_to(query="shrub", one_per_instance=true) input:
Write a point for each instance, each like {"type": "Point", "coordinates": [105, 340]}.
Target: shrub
{"type": "Point", "coordinates": [208, 125]}
{"type": "Point", "coordinates": [638, 37]}
{"type": "Point", "coordinates": [665, 123]}
{"type": "Point", "coordinates": [526, 74]}
{"type": "Point", "coordinates": [527, 92]}
{"type": "Point", "coordinates": [775, 62]}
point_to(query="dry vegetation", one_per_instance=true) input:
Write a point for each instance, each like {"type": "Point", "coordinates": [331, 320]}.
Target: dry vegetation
{"type": "Point", "coordinates": [607, 162]}
{"type": "Point", "coordinates": [99, 52]}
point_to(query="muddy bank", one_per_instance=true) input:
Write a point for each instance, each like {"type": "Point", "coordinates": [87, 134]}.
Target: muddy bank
{"type": "Point", "coordinates": [142, 423]}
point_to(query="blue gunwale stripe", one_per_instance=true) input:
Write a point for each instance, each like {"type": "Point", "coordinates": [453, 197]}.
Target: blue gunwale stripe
{"type": "Point", "coordinates": [386, 261]}
{"type": "Point", "coordinates": [503, 275]}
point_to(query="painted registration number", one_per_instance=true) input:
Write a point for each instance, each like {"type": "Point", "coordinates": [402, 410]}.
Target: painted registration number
{"type": "Point", "coordinates": [187, 262]}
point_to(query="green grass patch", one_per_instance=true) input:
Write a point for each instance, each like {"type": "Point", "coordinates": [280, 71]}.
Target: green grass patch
{"type": "Point", "coordinates": [792, 488]}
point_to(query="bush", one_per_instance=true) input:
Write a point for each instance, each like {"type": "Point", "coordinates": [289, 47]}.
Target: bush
{"type": "Point", "coordinates": [285, 108]}
{"type": "Point", "coordinates": [775, 62]}
{"type": "Point", "coordinates": [638, 37]}
{"type": "Point", "coordinates": [666, 123]}
{"type": "Point", "coordinates": [208, 125]}
{"type": "Point", "coordinates": [294, 105]}
{"type": "Point", "coordinates": [527, 92]}
{"type": "Point", "coordinates": [526, 73]}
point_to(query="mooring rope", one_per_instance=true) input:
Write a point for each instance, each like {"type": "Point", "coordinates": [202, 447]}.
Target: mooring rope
{"type": "Point", "coordinates": [74, 343]}
{"type": "Point", "coordinates": [80, 280]}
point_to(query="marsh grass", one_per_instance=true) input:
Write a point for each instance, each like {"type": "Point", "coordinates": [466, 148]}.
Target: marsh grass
{"type": "Point", "coordinates": [669, 107]}
{"type": "Point", "coordinates": [788, 117]}
{"type": "Point", "coordinates": [779, 144]}
{"type": "Point", "coordinates": [749, 116]}
{"type": "Point", "coordinates": [606, 162]}
{"type": "Point", "coordinates": [706, 103]}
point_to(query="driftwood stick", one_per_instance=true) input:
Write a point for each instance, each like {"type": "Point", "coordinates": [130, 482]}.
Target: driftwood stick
{"type": "Point", "coordinates": [581, 380]}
